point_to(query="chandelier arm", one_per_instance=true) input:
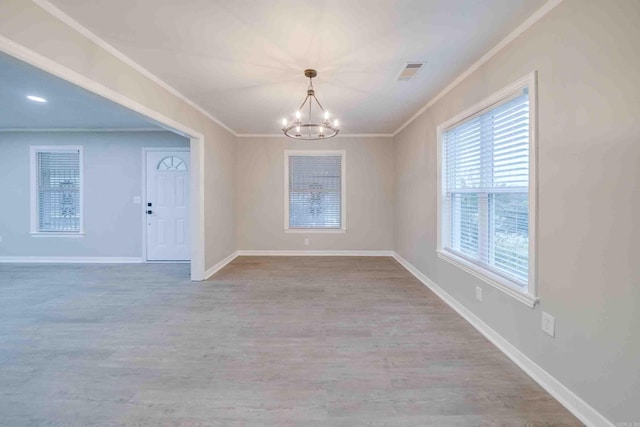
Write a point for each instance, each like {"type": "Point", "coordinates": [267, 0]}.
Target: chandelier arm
{"type": "Point", "coordinates": [304, 102]}
{"type": "Point", "coordinates": [319, 105]}
{"type": "Point", "coordinates": [310, 121]}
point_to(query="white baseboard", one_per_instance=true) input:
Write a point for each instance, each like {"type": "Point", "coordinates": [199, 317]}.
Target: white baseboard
{"type": "Point", "coordinates": [71, 260]}
{"type": "Point", "coordinates": [213, 270]}
{"type": "Point", "coordinates": [314, 253]}
{"type": "Point", "coordinates": [578, 407]}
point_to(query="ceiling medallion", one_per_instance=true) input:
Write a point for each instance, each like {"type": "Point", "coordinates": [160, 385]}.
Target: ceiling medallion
{"type": "Point", "coordinates": [310, 129]}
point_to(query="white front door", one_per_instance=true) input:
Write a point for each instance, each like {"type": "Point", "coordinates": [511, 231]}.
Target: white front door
{"type": "Point", "coordinates": [167, 205]}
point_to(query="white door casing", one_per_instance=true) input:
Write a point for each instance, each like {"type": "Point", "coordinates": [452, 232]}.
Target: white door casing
{"type": "Point", "coordinates": [167, 219]}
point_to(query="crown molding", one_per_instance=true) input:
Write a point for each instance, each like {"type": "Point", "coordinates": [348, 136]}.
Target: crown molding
{"type": "Point", "coordinates": [261, 135]}
{"type": "Point", "coordinates": [537, 15]}
{"type": "Point", "coordinates": [155, 129]}
{"type": "Point", "coordinates": [365, 135]}
{"type": "Point", "coordinates": [341, 135]}
{"type": "Point", "coordinates": [54, 11]}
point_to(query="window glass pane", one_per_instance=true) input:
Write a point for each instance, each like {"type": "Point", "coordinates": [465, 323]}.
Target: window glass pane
{"type": "Point", "coordinates": [485, 180]}
{"type": "Point", "coordinates": [511, 233]}
{"type": "Point", "coordinates": [315, 191]}
{"type": "Point", "coordinates": [464, 216]}
{"type": "Point", "coordinates": [58, 191]}
{"type": "Point", "coordinates": [463, 157]}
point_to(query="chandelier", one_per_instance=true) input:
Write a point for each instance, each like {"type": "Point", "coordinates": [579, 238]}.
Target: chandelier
{"type": "Point", "coordinates": [310, 129]}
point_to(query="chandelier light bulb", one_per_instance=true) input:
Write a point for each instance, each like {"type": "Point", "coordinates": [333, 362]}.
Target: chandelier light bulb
{"type": "Point", "coordinates": [321, 130]}
{"type": "Point", "coordinates": [326, 115]}
{"type": "Point", "coordinates": [285, 122]}
{"type": "Point", "coordinates": [336, 123]}
{"type": "Point", "coordinates": [298, 129]}
{"type": "Point", "coordinates": [298, 115]}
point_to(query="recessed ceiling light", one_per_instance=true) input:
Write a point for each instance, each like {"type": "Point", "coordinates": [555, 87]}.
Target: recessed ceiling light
{"type": "Point", "coordinates": [36, 98]}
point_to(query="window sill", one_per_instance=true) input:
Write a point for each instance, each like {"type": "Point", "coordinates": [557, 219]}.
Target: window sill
{"type": "Point", "coordinates": [489, 278]}
{"type": "Point", "coordinates": [56, 234]}
{"type": "Point", "coordinates": [316, 230]}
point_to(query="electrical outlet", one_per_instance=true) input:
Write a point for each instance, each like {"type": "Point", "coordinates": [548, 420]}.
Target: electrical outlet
{"type": "Point", "coordinates": [478, 293]}
{"type": "Point", "coordinates": [306, 242]}
{"type": "Point", "coordinates": [549, 324]}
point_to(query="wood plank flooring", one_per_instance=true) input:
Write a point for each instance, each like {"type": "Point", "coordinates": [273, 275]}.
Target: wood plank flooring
{"type": "Point", "coordinates": [273, 341]}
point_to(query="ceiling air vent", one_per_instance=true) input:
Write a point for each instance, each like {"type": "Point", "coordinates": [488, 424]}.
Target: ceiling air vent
{"type": "Point", "coordinates": [409, 71]}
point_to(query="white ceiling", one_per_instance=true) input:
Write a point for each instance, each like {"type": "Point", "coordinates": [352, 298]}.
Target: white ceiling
{"type": "Point", "coordinates": [68, 106]}
{"type": "Point", "coordinates": [243, 60]}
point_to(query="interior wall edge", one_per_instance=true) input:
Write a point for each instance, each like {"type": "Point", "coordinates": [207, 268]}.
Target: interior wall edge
{"type": "Point", "coordinates": [219, 266]}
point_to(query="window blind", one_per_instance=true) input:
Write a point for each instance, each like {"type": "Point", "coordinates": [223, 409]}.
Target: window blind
{"type": "Point", "coordinates": [485, 188]}
{"type": "Point", "coordinates": [58, 191]}
{"type": "Point", "coordinates": [315, 191]}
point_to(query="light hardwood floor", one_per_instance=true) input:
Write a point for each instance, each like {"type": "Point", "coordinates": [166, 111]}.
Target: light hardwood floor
{"type": "Point", "coordinates": [307, 341]}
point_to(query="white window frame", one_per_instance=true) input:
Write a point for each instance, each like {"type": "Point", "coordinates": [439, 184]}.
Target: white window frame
{"type": "Point", "coordinates": [505, 285]}
{"type": "Point", "coordinates": [343, 191]}
{"type": "Point", "coordinates": [33, 153]}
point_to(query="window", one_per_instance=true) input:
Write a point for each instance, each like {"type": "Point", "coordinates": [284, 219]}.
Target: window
{"type": "Point", "coordinates": [314, 184]}
{"type": "Point", "coordinates": [172, 163]}
{"type": "Point", "coordinates": [56, 190]}
{"type": "Point", "coordinates": [486, 199]}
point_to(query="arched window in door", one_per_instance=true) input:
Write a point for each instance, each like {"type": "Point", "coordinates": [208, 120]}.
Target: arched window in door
{"type": "Point", "coordinates": [172, 163]}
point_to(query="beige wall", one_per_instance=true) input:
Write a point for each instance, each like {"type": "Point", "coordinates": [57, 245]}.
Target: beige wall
{"type": "Point", "coordinates": [369, 197]}
{"type": "Point", "coordinates": [588, 62]}
{"type": "Point", "coordinates": [25, 23]}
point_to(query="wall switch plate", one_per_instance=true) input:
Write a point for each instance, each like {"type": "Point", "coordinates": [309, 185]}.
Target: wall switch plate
{"type": "Point", "coordinates": [549, 324]}
{"type": "Point", "coordinates": [478, 293]}
{"type": "Point", "coordinates": [306, 242]}
{"type": "Point", "coordinates": [137, 200]}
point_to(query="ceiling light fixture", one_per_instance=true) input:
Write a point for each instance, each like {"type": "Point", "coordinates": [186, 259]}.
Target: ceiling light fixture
{"type": "Point", "coordinates": [310, 129]}
{"type": "Point", "coordinates": [36, 98]}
